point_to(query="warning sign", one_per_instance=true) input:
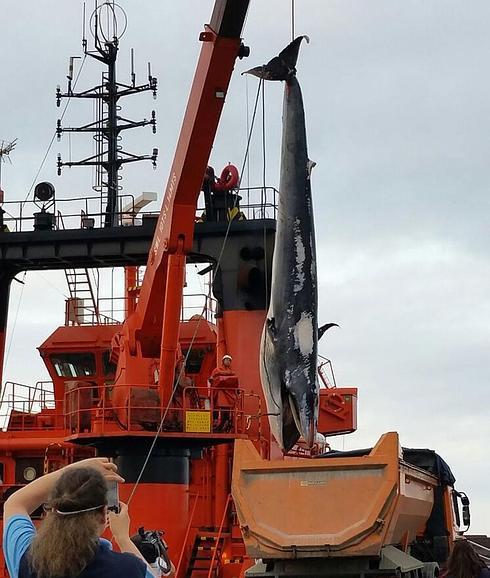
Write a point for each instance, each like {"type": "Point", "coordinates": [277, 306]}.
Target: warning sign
{"type": "Point", "coordinates": [198, 421]}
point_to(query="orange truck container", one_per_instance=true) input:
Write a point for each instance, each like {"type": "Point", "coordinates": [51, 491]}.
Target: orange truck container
{"type": "Point", "coordinates": [335, 509]}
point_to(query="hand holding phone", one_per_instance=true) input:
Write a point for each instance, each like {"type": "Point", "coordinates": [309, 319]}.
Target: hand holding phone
{"type": "Point", "coordinates": [119, 524]}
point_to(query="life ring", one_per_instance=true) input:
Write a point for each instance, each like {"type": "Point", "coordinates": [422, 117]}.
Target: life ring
{"type": "Point", "coordinates": [228, 179]}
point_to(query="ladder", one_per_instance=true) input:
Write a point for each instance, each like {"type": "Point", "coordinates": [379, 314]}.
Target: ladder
{"type": "Point", "coordinates": [83, 300]}
{"type": "Point", "coordinates": [206, 553]}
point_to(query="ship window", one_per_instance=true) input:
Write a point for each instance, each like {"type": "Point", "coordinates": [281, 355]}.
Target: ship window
{"type": "Point", "coordinates": [194, 360]}
{"type": "Point", "coordinates": [109, 367]}
{"type": "Point", "coordinates": [74, 364]}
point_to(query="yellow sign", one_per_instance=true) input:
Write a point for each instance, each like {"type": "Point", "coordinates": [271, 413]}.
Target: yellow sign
{"type": "Point", "coordinates": [198, 421]}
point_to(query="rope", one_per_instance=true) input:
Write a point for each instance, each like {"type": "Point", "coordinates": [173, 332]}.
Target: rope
{"type": "Point", "coordinates": [218, 262]}
{"type": "Point", "coordinates": [247, 132]}
{"type": "Point", "coordinates": [46, 280]}
{"type": "Point", "coordinates": [263, 195]}
{"type": "Point", "coordinates": [15, 318]}
{"type": "Point", "coordinates": [54, 136]}
{"type": "Point", "coordinates": [292, 20]}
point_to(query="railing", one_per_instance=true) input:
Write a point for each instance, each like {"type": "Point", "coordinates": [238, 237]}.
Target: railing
{"type": "Point", "coordinates": [71, 213]}
{"type": "Point", "coordinates": [25, 400]}
{"type": "Point", "coordinates": [194, 410]}
{"type": "Point", "coordinates": [88, 212]}
{"type": "Point", "coordinates": [480, 548]}
{"type": "Point", "coordinates": [324, 365]}
{"type": "Point", "coordinates": [111, 310]}
{"type": "Point", "coordinates": [218, 537]}
{"type": "Point", "coordinates": [90, 409]}
{"type": "Point", "coordinates": [185, 543]}
{"type": "Point", "coordinates": [254, 203]}
{"type": "Point", "coordinates": [198, 304]}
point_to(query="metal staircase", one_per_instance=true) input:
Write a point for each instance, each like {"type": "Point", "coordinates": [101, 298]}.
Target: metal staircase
{"type": "Point", "coordinates": [206, 554]}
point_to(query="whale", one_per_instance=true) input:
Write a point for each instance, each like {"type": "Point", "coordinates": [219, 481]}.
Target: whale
{"type": "Point", "coordinates": [289, 343]}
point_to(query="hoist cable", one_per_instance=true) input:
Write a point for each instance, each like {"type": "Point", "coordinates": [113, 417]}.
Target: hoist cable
{"type": "Point", "coordinates": [247, 116]}
{"type": "Point", "coordinates": [292, 20]}
{"type": "Point", "coordinates": [15, 318]}
{"type": "Point", "coordinates": [263, 195]}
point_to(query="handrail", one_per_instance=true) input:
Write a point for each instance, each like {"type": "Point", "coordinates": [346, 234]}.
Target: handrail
{"type": "Point", "coordinates": [184, 543]}
{"type": "Point", "coordinates": [32, 399]}
{"type": "Point", "coordinates": [218, 537]}
{"type": "Point", "coordinates": [326, 381]}
{"type": "Point", "coordinates": [34, 405]}
{"type": "Point", "coordinates": [205, 305]}
{"type": "Point", "coordinates": [257, 203]}
{"type": "Point", "coordinates": [484, 548]}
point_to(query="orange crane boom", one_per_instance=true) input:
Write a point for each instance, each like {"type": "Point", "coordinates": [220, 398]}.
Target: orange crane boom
{"type": "Point", "coordinates": [152, 331]}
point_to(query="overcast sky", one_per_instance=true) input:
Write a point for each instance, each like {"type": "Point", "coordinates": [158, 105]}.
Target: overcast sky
{"type": "Point", "coordinates": [397, 99]}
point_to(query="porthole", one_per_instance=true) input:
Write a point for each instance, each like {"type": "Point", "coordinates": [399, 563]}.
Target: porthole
{"type": "Point", "coordinates": [29, 474]}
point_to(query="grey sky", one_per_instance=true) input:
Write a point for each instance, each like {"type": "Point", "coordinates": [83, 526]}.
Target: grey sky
{"type": "Point", "coordinates": [396, 95]}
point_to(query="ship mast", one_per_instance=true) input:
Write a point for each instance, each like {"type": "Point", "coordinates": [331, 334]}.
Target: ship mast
{"type": "Point", "coordinates": [109, 155]}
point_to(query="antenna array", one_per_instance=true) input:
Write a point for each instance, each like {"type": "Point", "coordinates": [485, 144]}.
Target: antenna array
{"type": "Point", "coordinates": [106, 129]}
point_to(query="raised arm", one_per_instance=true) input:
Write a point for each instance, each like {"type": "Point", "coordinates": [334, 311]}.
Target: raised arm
{"type": "Point", "coordinates": [24, 501]}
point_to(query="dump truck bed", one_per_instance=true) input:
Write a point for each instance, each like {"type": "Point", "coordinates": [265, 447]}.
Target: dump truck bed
{"type": "Point", "coordinates": [335, 507]}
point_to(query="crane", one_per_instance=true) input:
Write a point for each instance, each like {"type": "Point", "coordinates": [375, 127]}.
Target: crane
{"type": "Point", "coordinates": [152, 330]}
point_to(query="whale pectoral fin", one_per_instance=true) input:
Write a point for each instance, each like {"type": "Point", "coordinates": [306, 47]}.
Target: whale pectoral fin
{"type": "Point", "coordinates": [310, 165]}
{"type": "Point", "coordinates": [271, 328]}
{"type": "Point", "coordinates": [290, 433]}
{"type": "Point", "coordinates": [324, 328]}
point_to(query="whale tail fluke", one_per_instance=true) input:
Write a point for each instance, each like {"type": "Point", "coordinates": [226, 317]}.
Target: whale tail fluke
{"type": "Point", "coordinates": [283, 66]}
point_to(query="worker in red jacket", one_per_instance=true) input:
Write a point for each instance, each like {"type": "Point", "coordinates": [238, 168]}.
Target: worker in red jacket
{"type": "Point", "coordinates": [224, 368]}
{"type": "Point", "coordinates": [224, 383]}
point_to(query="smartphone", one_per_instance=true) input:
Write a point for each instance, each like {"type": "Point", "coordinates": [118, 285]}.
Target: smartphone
{"type": "Point", "coordinates": [113, 497]}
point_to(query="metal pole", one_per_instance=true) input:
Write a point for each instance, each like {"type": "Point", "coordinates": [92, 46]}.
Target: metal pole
{"type": "Point", "coordinates": [112, 166]}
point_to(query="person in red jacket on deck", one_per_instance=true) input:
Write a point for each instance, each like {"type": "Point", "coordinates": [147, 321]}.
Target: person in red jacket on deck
{"type": "Point", "coordinates": [223, 383]}
{"type": "Point", "coordinates": [224, 368]}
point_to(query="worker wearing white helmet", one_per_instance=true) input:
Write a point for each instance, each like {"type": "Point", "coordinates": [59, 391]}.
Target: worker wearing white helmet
{"type": "Point", "coordinates": [223, 384]}
{"type": "Point", "coordinates": [224, 367]}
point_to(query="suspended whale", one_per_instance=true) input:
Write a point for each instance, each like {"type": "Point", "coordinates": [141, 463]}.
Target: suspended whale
{"type": "Point", "coordinates": [288, 356]}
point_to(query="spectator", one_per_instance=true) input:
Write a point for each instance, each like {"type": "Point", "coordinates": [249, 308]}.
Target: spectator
{"type": "Point", "coordinates": [464, 562]}
{"type": "Point", "coordinates": [68, 543]}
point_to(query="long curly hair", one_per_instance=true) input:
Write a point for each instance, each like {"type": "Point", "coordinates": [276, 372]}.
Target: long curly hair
{"type": "Point", "coordinates": [66, 543]}
{"type": "Point", "coordinates": [464, 562]}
